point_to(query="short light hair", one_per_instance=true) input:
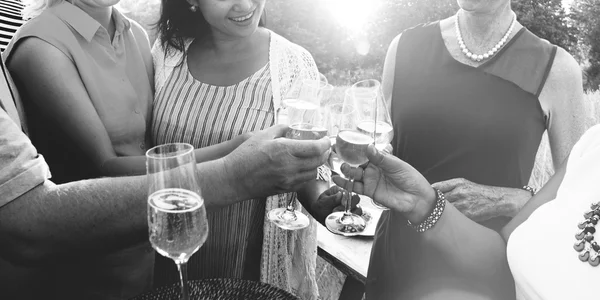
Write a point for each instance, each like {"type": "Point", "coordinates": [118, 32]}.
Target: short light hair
{"type": "Point", "coordinates": [34, 8]}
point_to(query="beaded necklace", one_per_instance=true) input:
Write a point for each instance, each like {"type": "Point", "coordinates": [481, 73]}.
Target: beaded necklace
{"type": "Point", "coordinates": [588, 249]}
{"type": "Point", "coordinates": [492, 51]}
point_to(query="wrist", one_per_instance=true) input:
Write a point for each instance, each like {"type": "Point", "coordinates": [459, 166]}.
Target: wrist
{"type": "Point", "coordinates": [423, 207]}
{"type": "Point", "coordinates": [433, 217]}
{"type": "Point", "coordinates": [513, 202]}
{"type": "Point", "coordinates": [226, 171]}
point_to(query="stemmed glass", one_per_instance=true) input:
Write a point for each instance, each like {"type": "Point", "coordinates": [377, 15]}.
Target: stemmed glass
{"type": "Point", "coordinates": [306, 122]}
{"type": "Point", "coordinates": [177, 221]}
{"type": "Point", "coordinates": [350, 147]}
{"type": "Point", "coordinates": [377, 120]}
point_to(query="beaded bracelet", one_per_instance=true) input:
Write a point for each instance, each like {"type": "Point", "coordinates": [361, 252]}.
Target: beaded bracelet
{"type": "Point", "coordinates": [435, 215]}
{"type": "Point", "coordinates": [529, 189]}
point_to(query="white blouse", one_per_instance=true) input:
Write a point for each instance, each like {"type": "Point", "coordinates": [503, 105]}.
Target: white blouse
{"type": "Point", "coordinates": [540, 251]}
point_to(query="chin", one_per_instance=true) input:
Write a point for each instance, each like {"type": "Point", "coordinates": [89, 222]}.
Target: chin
{"type": "Point", "coordinates": [473, 5]}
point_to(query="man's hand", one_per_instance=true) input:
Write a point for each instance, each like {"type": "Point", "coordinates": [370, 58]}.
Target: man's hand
{"type": "Point", "coordinates": [267, 164]}
{"type": "Point", "coordinates": [393, 183]}
{"type": "Point", "coordinates": [331, 201]}
{"type": "Point", "coordinates": [481, 202]}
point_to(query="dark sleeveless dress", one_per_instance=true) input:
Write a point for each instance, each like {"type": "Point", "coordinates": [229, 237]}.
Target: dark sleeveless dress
{"type": "Point", "coordinates": [452, 120]}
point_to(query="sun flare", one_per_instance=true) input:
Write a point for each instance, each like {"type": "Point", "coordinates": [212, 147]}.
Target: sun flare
{"type": "Point", "coordinates": [352, 14]}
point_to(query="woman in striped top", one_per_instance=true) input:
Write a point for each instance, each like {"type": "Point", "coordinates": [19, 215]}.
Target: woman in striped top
{"type": "Point", "coordinates": [218, 73]}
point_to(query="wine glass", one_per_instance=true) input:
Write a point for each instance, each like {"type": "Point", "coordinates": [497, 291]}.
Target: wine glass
{"type": "Point", "coordinates": [378, 119]}
{"type": "Point", "coordinates": [376, 116]}
{"type": "Point", "coordinates": [177, 221]}
{"type": "Point", "coordinates": [340, 113]}
{"type": "Point", "coordinates": [350, 147]}
{"type": "Point", "coordinates": [305, 122]}
{"type": "Point", "coordinates": [299, 90]}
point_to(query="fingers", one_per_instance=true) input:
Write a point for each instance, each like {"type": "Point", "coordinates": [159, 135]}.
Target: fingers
{"type": "Point", "coordinates": [354, 207]}
{"type": "Point", "coordinates": [275, 131]}
{"type": "Point", "coordinates": [331, 198]}
{"type": "Point", "coordinates": [448, 185]}
{"type": "Point", "coordinates": [358, 187]}
{"type": "Point", "coordinates": [299, 148]}
{"type": "Point", "coordinates": [387, 162]}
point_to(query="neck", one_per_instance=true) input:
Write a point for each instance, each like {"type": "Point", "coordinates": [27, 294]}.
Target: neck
{"type": "Point", "coordinates": [482, 27]}
{"type": "Point", "coordinates": [224, 45]}
{"type": "Point", "coordinates": [101, 14]}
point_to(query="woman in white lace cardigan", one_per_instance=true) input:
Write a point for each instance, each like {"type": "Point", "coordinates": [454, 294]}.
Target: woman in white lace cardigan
{"type": "Point", "coordinates": [218, 73]}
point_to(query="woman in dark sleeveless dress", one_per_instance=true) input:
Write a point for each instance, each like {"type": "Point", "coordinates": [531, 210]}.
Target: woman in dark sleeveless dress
{"type": "Point", "coordinates": [471, 96]}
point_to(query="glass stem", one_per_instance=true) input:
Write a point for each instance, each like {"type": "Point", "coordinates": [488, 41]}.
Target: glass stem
{"type": "Point", "coordinates": [348, 196]}
{"type": "Point", "coordinates": [182, 267]}
{"type": "Point", "coordinates": [290, 211]}
{"type": "Point", "coordinates": [290, 206]}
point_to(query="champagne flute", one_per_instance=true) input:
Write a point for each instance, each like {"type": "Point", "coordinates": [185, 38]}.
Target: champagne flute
{"type": "Point", "coordinates": [377, 120]}
{"type": "Point", "coordinates": [305, 122]}
{"type": "Point", "coordinates": [340, 113]}
{"type": "Point", "coordinates": [350, 147]}
{"type": "Point", "coordinates": [177, 221]}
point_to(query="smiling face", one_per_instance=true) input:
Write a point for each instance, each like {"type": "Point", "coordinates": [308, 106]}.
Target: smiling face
{"type": "Point", "coordinates": [232, 18]}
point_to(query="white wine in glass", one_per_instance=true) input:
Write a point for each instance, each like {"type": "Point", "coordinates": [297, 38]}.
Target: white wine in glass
{"type": "Point", "coordinates": [350, 147]}
{"type": "Point", "coordinates": [375, 113]}
{"type": "Point", "coordinates": [305, 121]}
{"type": "Point", "coordinates": [177, 221]}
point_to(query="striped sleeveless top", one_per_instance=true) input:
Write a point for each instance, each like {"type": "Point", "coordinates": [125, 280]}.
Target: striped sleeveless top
{"type": "Point", "coordinates": [452, 120]}
{"type": "Point", "coordinates": [190, 111]}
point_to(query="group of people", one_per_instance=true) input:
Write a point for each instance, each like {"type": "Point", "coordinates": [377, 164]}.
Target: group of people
{"type": "Point", "coordinates": [470, 97]}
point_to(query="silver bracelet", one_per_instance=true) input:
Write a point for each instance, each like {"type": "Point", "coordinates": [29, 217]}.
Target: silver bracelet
{"type": "Point", "coordinates": [435, 215]}
{"type": "Point", "coordinates": [530, 189]}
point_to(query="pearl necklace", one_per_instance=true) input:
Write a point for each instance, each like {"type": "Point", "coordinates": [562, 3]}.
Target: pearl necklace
{"type": "Point", "coordinates": [589, 250]}
{"type": "Point", "coordinates": [491, 52]}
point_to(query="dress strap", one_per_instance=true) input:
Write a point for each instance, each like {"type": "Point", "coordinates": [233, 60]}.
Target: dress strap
{"type": "Point", "coordinates": [547, 72]}
{"type": "Point", "coordinates": [526, 62]}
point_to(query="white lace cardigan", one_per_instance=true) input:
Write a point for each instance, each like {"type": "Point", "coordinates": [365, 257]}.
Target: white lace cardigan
{"type": "Point", "coordinates": [288, 257]}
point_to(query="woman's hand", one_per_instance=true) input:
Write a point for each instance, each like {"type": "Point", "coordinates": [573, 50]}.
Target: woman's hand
{"type": "Point", "coordinates": [481, 202]}
{"type": "Point", "coordinates": [393, 183]}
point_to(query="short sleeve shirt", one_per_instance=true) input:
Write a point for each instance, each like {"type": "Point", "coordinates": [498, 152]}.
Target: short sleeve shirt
{"type": "Point", "coordinates": [21, 167]}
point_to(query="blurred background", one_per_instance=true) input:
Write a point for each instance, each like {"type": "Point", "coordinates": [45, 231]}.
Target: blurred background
{"type": "Point", "coordinates": [349, 38]}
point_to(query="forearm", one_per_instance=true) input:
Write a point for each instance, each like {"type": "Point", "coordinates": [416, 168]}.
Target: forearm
{"type": "Point", "coordinates": [473, 251]}
{"type": "Point", "coordinates": [55, 222]}
{"type": "Point", "coordinates": [51, 222]}
{"type": "Point", "coordinates": [136, 165]}
{"type": "Point", "coordinates": [219, 150]}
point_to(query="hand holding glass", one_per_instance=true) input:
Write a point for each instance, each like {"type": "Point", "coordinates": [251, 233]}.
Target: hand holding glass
{"type": "Point", "coordinates": [302, 106]}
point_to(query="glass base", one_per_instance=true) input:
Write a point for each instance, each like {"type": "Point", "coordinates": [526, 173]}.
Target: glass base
{"type": "Point", "coordinates": [288, 220]}
{"type": "Point", "coordinates": [347, 225]}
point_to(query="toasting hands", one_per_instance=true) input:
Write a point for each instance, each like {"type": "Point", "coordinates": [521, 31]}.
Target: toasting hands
{"type": "Point", "coordinates": [266, 164]}
{"type": "Point", "coordinates": [393, 183]}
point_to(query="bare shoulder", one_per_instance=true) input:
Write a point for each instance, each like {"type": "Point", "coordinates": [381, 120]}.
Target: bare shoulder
{"type": "Point", "coordinates": [36, 53]}
{"type": "Point", "coordinates": [565, 74]}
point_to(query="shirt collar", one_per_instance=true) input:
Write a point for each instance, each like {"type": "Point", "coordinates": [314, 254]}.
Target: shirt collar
{"type": "Point", "coordinates": [83, 23]}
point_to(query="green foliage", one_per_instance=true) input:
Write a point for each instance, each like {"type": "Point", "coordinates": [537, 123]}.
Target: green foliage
{"type": "Point", "coordinates": [586, 16]}
{"type": "Point", "coordinates": [547, 19]}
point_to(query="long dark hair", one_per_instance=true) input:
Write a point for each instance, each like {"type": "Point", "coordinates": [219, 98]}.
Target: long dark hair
{"type": "Point", "coordinates": [177, 22]}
